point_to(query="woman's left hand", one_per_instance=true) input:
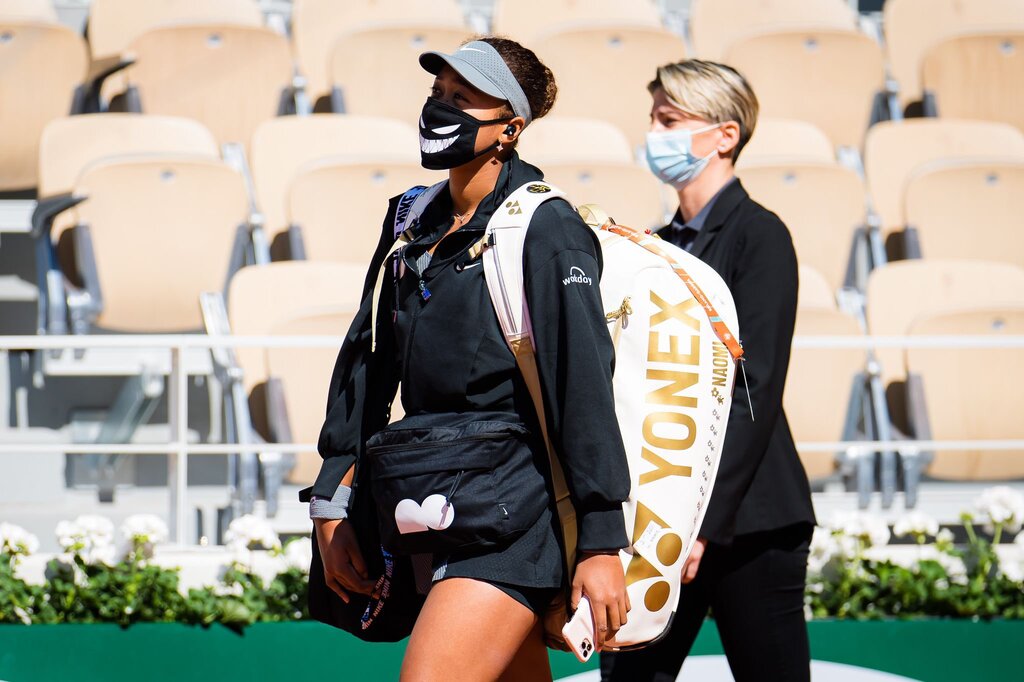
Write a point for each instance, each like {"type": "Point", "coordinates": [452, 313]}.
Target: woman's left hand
{"type": "Point", "coordinates": [601, 579]}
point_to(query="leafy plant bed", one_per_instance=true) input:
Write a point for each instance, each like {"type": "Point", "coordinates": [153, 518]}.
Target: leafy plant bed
{"type": "Point", "coordinates": [930, 649]}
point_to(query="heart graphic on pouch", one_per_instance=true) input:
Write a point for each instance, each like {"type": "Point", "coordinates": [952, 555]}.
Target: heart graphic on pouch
{"type": "Point", "coordinates": [435, 513]}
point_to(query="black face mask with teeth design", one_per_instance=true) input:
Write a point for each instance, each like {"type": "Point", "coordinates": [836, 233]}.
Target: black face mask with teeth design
{"type": "Point", "coordinates": [448, 136]}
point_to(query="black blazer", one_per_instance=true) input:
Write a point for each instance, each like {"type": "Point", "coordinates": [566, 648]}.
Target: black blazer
{"type": "Point", "coordinates": [761, 483]}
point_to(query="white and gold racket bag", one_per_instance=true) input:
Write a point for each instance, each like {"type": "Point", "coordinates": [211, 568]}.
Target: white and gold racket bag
{"type": "Point", "coordinates": [673, 323]}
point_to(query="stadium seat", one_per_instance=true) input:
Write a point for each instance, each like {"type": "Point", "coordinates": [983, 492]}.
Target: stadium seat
{"type": "Point", "coordinates": [966, 209]}
{"type": "Point", "coordinates": [822, 204]}
{"type": "Point", "coordinates": [787, 140]}
{"type": "Point", "coordinates": [231, 78]}
{"type": "Point", "coordinates": [914, 26]}
{"type": "Point", "coordinates": [317, 25]}
{"type": "Point", "coordinates": [299, 382]}
{"type": "Point", "coordinates": [338, 206]}
{"type": "Point", "coordinates": [152, 234]}
{"type": "Point", "coordinates": [282, 145]}
{"type": "Point", "coordinates": [961, 398]}
{"type": "Point", "coordinates": [555, 139]}
{"type": "Point", "coordinates": [114, 24]}
{"type": "Point", "coordinates": [376, 71]}
{"type": "Point", "coordinates": [631, 195]}
{"type": "Point", "coordinates": [41, 64]}
{"type": "Point", "coordinates": [261, 301]}
{"type": "Point", "coordinates": [893, 150]}
{"type": "Point", "coordinates": [825, 387]}
{"type": "Point", "coordinates": [716, 24]}
{"type": "Point", "coordinates": [69, 144]}
{"type": "Point", "coordinates": [526, 20]}
{"type": "Point", "coordinates": [603, 72]}
{"type": "Point", "coordinates": [902, 292]}
{"type": "Point", "coordinates": [28, 10]}
{"type": "Point", "coordinates": [843, 69]}
{"type": "Point", "coordinates": [977, 75]}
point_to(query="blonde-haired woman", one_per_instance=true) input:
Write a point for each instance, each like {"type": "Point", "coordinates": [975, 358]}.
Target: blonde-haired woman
{"type": "Point", "coordinates": [750, 564]}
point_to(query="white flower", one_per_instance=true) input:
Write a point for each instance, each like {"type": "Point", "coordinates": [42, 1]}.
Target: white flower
{"type": "Point", "coordinates": [89, 536]}
{"type": "Point", "coordinates": [23, 615]}
{"type": "Point", "coordinates": [142, 531]}
{"type": "Point", "coordinates": [917, 524]}
{"type": "Point", "coordinates": [17, 541]}
{"type": "Point", "coordinates": [1001, 505]}
{"type": "Point", "coordinates": [870, 530]}
{"type": "Point", "coordinates": [944, 537]}
{"type": "Point", "coordinates": [250, 532]}
{"type": "Point", "coordinates": [232, 590]}
{"type": "Point", "coordinates": [299, 553]}
{"type": "Point", "coordinates": [1014, 570]}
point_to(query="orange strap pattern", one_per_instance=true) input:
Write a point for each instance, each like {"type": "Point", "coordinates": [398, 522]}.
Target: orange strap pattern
{"type": "Point", "coordinates": [651, 244]}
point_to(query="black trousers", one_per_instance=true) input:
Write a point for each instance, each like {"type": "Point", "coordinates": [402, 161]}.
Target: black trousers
{"type": "Point", "coordinates": [755, 590]}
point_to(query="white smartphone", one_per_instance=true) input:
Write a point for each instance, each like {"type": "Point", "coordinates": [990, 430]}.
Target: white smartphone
{"type": "Point", "coordinates": [579, 632]}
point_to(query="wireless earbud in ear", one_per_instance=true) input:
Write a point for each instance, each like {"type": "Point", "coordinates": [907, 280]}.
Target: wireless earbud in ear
{"type": "Point", "coordinates": [510, 129]}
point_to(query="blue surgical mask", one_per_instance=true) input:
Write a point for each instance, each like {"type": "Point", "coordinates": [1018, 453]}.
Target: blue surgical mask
{"type": "Point", "coordinates": [670, 155]}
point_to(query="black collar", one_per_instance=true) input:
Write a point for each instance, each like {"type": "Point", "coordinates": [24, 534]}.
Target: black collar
{"type": "Point", "coordinates": [728, 201]}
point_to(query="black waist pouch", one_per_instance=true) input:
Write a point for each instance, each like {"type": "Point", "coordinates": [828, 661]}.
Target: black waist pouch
{"type": "Point", "coordinates": [456, 485]}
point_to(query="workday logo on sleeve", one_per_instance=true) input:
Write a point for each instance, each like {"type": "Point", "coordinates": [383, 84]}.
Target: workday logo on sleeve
{"type": "Point", "coordinates": [577, 276]}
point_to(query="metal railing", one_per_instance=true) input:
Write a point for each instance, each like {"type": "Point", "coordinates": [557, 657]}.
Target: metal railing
{"type": "Point", "coordinates": [178, 448]}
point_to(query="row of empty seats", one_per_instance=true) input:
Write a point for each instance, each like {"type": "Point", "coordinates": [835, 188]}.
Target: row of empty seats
{"type": "Point", "coordinates": [219, 64]}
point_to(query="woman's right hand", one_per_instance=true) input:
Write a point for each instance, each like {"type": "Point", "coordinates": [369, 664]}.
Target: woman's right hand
{"type": "Point", "coordinates": [344, 568]}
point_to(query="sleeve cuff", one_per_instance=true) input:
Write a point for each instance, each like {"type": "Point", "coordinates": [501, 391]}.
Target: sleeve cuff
{"type": "Point", "coordinates": [602, 530]}
{"type": "Point", "coordinates": [331, 472]}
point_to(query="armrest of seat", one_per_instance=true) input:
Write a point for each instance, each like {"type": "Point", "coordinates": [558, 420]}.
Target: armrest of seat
{"type": "Point", "coordinates": [929, 107]}
{"type": "Point", "coordinates": [915, 462]}
{"type": "Point", "coordinates": [296, 244]}
{"type": "Point", "coordinates": [87, 99]}
{"type": "Point", "coordinates": [48, 208]}
{"type": "Point", "coordinates": [215, 323]}
{"type": "Point", "coordinates": [84, 306]}
{"type": "Point", "coordinates": [277, 412]}
{"type": "Point", "coordinates": [911, 243]}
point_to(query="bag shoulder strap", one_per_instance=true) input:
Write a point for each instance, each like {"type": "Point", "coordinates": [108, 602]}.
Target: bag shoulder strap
{"type": "Point", "coordinates": [503, 242]}
{"type": "Point", "coordinates": [407, 217]}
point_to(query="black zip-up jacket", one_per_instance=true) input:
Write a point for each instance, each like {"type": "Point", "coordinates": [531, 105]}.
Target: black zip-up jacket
{"type": "Point", "coordinates": [444, 343]}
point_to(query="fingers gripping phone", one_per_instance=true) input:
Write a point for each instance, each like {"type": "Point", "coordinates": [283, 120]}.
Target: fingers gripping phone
{"type": "Point", "coordinates": [579, 631]}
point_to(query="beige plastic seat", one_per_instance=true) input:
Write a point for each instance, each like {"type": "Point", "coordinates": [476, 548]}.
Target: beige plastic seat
{"type": "Point", "coordinates": [894, 149]}
{"type": "Point", "coordinates": [786, 140]}
{"type": "Point", "coordinates": [603, 72]}
{"type": "Point", "coordinates": [114, 24]}
{"type": "Point", "coordinates": [228, 77]}
{"type": "Point", "coordinates": [69, 144]}
{"type": "Point", "coordinates": [826, 76]}
{"type": "Point", "coordinates": [525, 20]}
{"type": "Point", "coordinates": [820, 382]}
{"type": "Point", "coordinates": [28, 10]}
{"type": "Point", "coordinates": [304, 376]}
{"type": "Point", "coordinates": [555, 139]}
{"type": "Point", "coordinates": [964, 399]}
{"type": "Point", "coordinates": [912, 27]}
{"type": "Point", "coordinates": [978, 76]}
{"type": "Point", "coordinates": [821, 203]}
{"type": "Point", "coordinates": [900, 293]}
{"type": "Point", "coordinates": [968, 209]}
{"type": "Point", "coordinates": [262, 301]}
{"type": "Point", "coordinates": [317, 24]}
{"type": "Point", "coordinates": [814, 291]}
{"type": "Point", "coordinates": [340, 206]}
{"type": "Point", "coordinates": [260, 297]}
{"type": "Point", "coordinates": [162, 231]}
{"type": "Point", "coordinates": [630, 194]}
{"type": "Point", "coordinates": [377, 69]}
{"type": "Point", "coordinates": [716, 24]}
{"type": "Point", "coordinates": [280, 146]}
{"type": "Point", "coordinates": [41, 64]}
